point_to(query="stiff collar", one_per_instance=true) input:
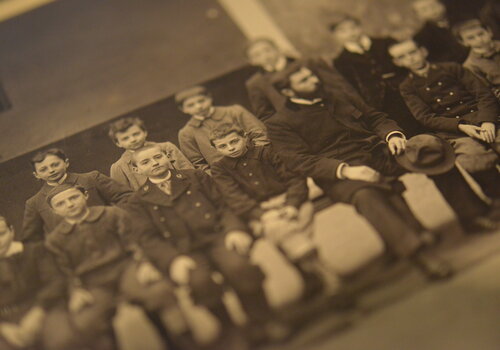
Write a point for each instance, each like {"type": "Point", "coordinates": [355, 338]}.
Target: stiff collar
{"type": "Point", "coordinates": [488, 54]}
{"type": "Point", "coordinates": [14, 249]}
{"type": "Point", "coordinates": [94, 214]}
{"type": "Point", "coordinates": [306, 102]}
{"type": "Point", "coordinates": [159, 181]}
{"type": "Point", "coordinates": [363, 45]}
{"type": "Point", "coordinates": [197, 120]}
{"type": "Point", "coordinates": [150, 192]}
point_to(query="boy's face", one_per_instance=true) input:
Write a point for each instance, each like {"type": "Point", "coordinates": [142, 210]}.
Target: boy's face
{"type": "Point", "coordinates": [70, 204]}
{"type": "Point", "coordinates": [52, 168]}
{"type": "Point", "coordinates": [476, 37]}
{"type": "Point", "coordinates": [348, 31]}
{"type": "Point", "coordinates": [232, 145]}
{"type": "Point", "coordinates": [408, 55]}
{"type": "Point", "coordinates": [6, 237]}
{"type": "Point", "coordinates": [304, 83]}
{"type": "Point", "coordinates": [263, 54]}
{"type": "Point", "coordinates": [132, 138]}
{"type": "Point", "coordinates": [151, 162]}
{"type": "Point", "coordinates": [197, 105]}
{"type": "Point", "coordinates": [429, 10]}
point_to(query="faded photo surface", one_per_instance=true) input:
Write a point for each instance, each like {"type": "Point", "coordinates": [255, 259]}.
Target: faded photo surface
{"type": "Point", "coordinates": [249, 174]}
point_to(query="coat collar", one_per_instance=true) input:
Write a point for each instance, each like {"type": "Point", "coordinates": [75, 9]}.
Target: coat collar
{"type": "Point", "coordinates": [430, 73]}
{"type": "Point", "coordinates": [253, 152]}
{"type": "Point", "coordinates": [94, 215]}
{"type": "Point", "coordinates": [150, 192]}
{"type": "Point", "coordinates": [197, 122]}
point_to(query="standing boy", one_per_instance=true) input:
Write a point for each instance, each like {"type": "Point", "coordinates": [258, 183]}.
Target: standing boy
{"type": "Point", "coordinates": [453, 103]}
{"type": "Point", "coordinates": [51, 167]}
{"type": "Point", "coordinates": [436, 34]}
{"type": "Point", "coordinates": [130, 134]}
{"type": "Point", "coordinates": [484, 56]}
{"type": "Point", "coordinates": [261, 190]}
{"type": "Point", "coordinates": [185, 209]}
{"type": "Point", "coordinates": [96, 249]}
{"type": "Point", "coordinates": [193, 137]}
{"type": "Point", "coordinates": [30, 284]}
{"type": "Point", "coordinates": [367, 66]}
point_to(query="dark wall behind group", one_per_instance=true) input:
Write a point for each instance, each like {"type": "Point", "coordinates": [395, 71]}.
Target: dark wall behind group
{"type": "Point", "coordinates": [93, 150]}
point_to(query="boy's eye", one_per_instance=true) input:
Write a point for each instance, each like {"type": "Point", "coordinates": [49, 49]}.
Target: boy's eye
{"type": "Point", "coordinates": [221, 146]}
{"type": "Point", "coordinates": [234, 142]}
{"type": "Point", "coordinates": [55, 164]}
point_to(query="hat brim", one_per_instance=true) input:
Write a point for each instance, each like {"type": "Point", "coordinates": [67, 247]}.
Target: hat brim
{"type": "Point", "coordinates": [446, 165]}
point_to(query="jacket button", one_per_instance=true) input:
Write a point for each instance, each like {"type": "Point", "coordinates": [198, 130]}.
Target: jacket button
{"type": "Point", "coordinates": [440, 83]}
{"type": "Point", "coordinates": [197, 204]}
{"type": "Point", "coordinates": [188, 192]}
{"type": "Point", "coordinates": [448, 108]}
{"type": "Point", "coordinates": [166, 234]}
{"type": "Point", "coordinates": [472, 110]}
{"type": "Point", "coordinates": [461, 102]}
{"type": "Point", "coordinates": [427, 89]}
{"type": "Point", "coordinates": [162, 219]}
{"type": "Point", "coordinates": [155, 207]}
{"type": "Point", "coordinates": [250, 174]}
{"type": "Point", "coordinates": [457, 116]}
{"type": "Point", "coordinates": [256, 182]}
{"type": "Point", "coordinates": [245, 164]}
{"type": "Point", "coordinates": [207, 216]}
{"type": "Point", "coordinates": [451, 93]}
{"type": "Point", "coordinates": [438, 100]}
{"type": "Point", "coordinates": [146, 188]}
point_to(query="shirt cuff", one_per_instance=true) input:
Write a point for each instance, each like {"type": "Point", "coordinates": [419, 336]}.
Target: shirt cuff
{"type": "Point", "coordinates": [394, 133]}
{"type": "Point", "coordinates": [339, 171]}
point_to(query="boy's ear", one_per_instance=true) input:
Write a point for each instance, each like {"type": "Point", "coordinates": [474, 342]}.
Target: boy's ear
{"type": "Point", "coordinates": [86, 195]}
{"type": "Point", "coordinates": [66, 161]}
{"type": "Point", "coordinates": [36, 175]}
{"type": "Point", "coordinates": [424, 51]}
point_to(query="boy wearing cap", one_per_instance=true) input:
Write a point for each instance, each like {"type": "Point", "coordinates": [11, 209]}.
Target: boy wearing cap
{"type": "Point", "coordinates": [367, 66]}
{"type": "Point", "coordinates": [436, 33]}
{"type": "Point", "coordinates": [259, 188]}
{"type": "Point", "coordinates": [96, 248]}
{"type": "Point", "coordinates": [453, 103]}
{"type": "Point", "coordinates": [30, 285]}
{"type": "Point", "coordinates": [130, 134]}
{"type": "Point", "coordinates": [193, 137]}
{"type": "Point", "coordinates": [184, 208]}
{"type": "Point", "coordinates": [484, 56]}
{"type": "Point", "coordinates": [51, 166]}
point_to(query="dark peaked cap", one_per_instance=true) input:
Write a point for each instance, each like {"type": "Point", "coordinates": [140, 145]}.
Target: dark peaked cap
{"type": "Point", "coordinates": [280, 79]}
{"type": "Point", "coordinates": [61, 188]}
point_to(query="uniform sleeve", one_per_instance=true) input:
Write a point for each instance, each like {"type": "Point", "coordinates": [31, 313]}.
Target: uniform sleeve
{"type": "Point", "coordinates": [53, 282]}
{"type": "Point", "coordinates": [111, 191]}
{"type": "Point", "coordinates": [32, 223]}
{"type": "Point", "coordinates": [487, 103]}
{"type": "Point", "coordinates": [297, 155]}
{"type": "Point", "coordinates": [177, 158]}
{"type": "Point", "coordinates": [190, 149]}
{"type": "Point", "coordinates": [62, 260]}
{"type": "Point", "coordinates": [255, 129]}
{"type": "Point", "coordinates": [423, 112]}
{"type": "Point", "coordinates": [237, 199]}
{"type": "Point", "coordinates": [261, 105]}
{"type": "Point", "coordinates": [117, 174]}
{"type": "Point", "coordinates": [229, 220]}
{"type": "Point", "coordinates": [297, 190]}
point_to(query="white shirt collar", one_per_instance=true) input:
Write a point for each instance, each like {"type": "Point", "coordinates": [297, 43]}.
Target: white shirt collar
{"type": "Point", "coordinates": [59, 182]}
{"type": "Point", "coordinates": [200, 117]}
{"type": "Point", "coordinates": [279, 66]}
{"type": "Point", "coordinates": [159, 181]}
{"type": "Point", "coordinates": [15, 248]}
{"type": "Point", "coordinates": [303, 101]}
{"type": "Point", "coordinates": [364, 44]}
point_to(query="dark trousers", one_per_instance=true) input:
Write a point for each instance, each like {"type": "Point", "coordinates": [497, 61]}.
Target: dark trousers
{"type": "Point", "coordinates": [246, 280]}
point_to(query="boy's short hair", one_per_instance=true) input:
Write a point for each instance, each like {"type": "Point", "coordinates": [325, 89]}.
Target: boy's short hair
{"type": "Point", "coordinates": [223, 130]}
{"type": "Point", "coordinates": [40, 156]}
{"type": "Point", "coordinates": [183, 95]}
{"type": "Point", "coordinates": [466, 24]}
{"type": "Point", "coordinates": [122, 125]}
{"type": "Point", "coordinates": [7, 222]}
{"type": "Point", "coordinates": [394, 42]}
{"type": "Point", "coordinates": [255, 41]}
{"type": "Point", "coordinates": [341, 18]}
{"type": "Point", "coordinates": [140, 149]}
{"type": "Point", "coordinates": [61, 188]}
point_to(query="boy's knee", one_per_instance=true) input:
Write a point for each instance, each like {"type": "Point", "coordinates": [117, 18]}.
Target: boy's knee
{"type": "Point", "coordinates": [57, 333]}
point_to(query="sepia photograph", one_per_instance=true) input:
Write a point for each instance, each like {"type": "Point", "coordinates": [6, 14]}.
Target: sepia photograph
{"type": "Point", "coordinates": [249, 175]}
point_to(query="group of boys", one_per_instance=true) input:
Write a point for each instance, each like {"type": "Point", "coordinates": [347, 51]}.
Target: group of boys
{"type": "Point", "coordinates": [170, 217]}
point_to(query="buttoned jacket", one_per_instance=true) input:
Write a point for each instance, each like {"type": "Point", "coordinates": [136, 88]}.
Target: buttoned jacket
{"type": "Point", "coordinates": [448, 96]}
{"type": "Point", "coordinates": [193, 215]}
{"type": "Point", "coordinates": [194, 136]}
{"type": "Point", "coordinates": [39, 219]}
{"type": "Point", "coordinates": [485, 67]}
{"type": "Point", "coordinates": [305, 143]}
{"type": "Point", "coordinates": [122, 172]}
{"type": "Point", "coordinates": [255, 177]}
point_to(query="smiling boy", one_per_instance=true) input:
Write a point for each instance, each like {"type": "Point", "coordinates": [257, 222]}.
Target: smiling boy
{"type": "Point", "coordinates": [131, 134]}
{"type": "Point", "coordinates": [51, 167]}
